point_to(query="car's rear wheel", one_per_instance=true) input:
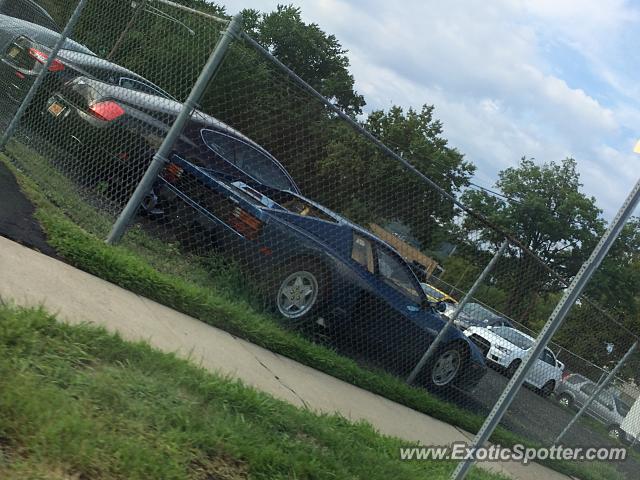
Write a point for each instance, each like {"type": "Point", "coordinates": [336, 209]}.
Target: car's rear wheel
{"type": "Point", "coordinates": [300, 292]}
{"type": "Point", "coordinates": [615, 432]}
{"type": "Point", "coordinates": [565, 401]}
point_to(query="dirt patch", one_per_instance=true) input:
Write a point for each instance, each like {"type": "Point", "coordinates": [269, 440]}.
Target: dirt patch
{"type": "Point", "coordinates": [219, 467]}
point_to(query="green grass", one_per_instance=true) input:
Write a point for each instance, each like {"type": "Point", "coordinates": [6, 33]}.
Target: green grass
{"type": "Point", "coordinates": [209, 291]}
{"type": "Point", "coordinates": [77, 402]}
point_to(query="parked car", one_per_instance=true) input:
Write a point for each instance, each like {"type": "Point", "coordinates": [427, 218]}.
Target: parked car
{"type": "Point", "coordinates": [30, 11]}
{"type": "Point", "coordinates": [573, 392]}
{"type": "Point", "coordinates": [436, 295]}
{"type": "Point", "coordinates": [97, 109]}
{"type": "Point", "coordinates": [121, 129]}
{"type": "Point", "coordinates": [24, 48]}
{"type": "Point", "coordinates": [475, 315]}
{"type": "Point", "coordinates": [506, 347]}
{"type": "Point", "coordinates": [315, 264]}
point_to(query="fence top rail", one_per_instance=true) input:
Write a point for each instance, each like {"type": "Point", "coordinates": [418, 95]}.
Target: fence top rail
{"type": "Point", "coordinates": [193, 10]}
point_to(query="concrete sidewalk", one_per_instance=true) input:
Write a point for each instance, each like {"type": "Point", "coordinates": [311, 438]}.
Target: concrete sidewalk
{"type": "Point", "coordinates": [30, 278]}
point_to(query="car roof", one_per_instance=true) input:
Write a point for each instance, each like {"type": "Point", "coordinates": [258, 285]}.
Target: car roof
{"type": "Point", "coordinates": [20, 9]}
{"type": "Point", "coordinates": [91, 60]}
{"type": "Point", "coordinates": [44, 36]}
{"type": "Point", "coordinates": [520, 332]}
{"type": "Point", "coordinates": [163, 105]}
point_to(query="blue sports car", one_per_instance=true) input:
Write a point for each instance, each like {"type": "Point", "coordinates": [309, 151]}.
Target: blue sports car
{"type": "Point", "coordinates": [317, 264]}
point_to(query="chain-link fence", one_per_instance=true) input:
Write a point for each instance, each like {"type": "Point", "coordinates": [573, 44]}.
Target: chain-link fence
{"type": "Point", "coordinates": [291, 204]}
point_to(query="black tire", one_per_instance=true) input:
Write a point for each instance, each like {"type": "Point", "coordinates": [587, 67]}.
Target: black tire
{"type": "Point", "coordinates": [307, 285]}
{"type": "Point", "coordinates": [447, 367]}
{"type": "Point", "coordinates": [511, 369]}
{"type": "Point", "coordinates": [615, 432]}
{"type": "Point", "coordinates": [548, 388]}
{"type": "Point", "coordinates": [565, 401]}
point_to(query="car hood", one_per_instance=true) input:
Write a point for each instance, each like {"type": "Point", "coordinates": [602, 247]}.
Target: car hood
{"type": "Point", "coordinates": [492, 337]}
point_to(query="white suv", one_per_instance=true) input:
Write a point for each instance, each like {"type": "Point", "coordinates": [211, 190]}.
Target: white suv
{"type": "Point", "coordinates": [506, 347]}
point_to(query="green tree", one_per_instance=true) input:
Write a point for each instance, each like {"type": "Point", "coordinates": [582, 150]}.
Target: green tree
{"type": "Point", "coordinates": [374, 188]}
{"type": "Point", "coordinates": [315, 56]}
{"type": "Point", "coordinates": [546, 210]}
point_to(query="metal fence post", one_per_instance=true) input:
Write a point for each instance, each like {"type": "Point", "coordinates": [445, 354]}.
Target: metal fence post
{"type": "Point", "coordinates": [469, 295]}
{"type": "Point", "coordinates": [26, 101]}
{"type": "Point", "coordinates": [161, 157]}
{"type": "Point", "coordinates": [571, 294]}
{"type": "Point", "coordinates": [597, 391]}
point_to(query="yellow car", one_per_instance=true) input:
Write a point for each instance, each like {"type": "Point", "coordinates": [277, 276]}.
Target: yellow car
{"type": "Point", "coordinates": [435, 295]}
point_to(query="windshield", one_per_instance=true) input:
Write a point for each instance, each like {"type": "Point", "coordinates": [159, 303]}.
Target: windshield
{"type": "Point", "coordinates": [432, 292]}
{"type": "Point", "coordinates": [247, 158]}
{"type": "Point", "coordinates": [478, 312]}
{"type": "Point", "coordinates": [397, 274]}
{"type": "Point", "coordinates": [621, 407]}
{"type": "Point", "coordinates": [513, 336]}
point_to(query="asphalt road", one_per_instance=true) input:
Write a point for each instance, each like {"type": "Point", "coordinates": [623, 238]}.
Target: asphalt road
{"type": "Point", "coordinates": [539, 419]}
{"type": "Point", "coordinates": [16, 216]}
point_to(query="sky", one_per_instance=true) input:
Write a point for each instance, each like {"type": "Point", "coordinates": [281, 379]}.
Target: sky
{"type": "Point", "coordinates": [508, 78]}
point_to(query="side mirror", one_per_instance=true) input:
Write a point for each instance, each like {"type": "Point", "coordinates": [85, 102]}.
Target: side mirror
{"type": "Point", "coordinates": [441, 307]}
{"type": "Point", "coordinates": [425, 304]}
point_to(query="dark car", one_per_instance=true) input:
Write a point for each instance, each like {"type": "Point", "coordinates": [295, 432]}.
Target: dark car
{"type": "Point", "coordinates": [313, 264]}
{"type": "Point", "coordinates": [101, 110]}
{"type": "Point", "coordinates": [24, 48]}
{"type": "Point", "coordinates": [121, 127]}
{"type": "Point", "coordinates": [30, 11]}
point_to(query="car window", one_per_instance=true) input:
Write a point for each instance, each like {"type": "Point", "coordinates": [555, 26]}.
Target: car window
{"type": "Point", "coordinates": [547, 357]}
{"type": "Point", "coordinates": [588, 388]}
{"type": "Point", "coordinates": [478, 312]}
{"type": "Point", "coordinates": [605, 399]}
{"type": "Point", "coordinates": [397, 274]}
{"type": "Point", "coordinates": [247, 158]}
{"type": "Point", "coordinates": [575, 379]}
{"type": "Point", "coordinates": [621, 407]}
{"type": "Point", "coordinates": [362, 252]}
{"type": "Point", "coordinates": [133, 84]}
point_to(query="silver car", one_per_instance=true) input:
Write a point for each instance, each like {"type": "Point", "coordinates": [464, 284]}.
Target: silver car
{"type": "Point", "coordinates": [574, 390]}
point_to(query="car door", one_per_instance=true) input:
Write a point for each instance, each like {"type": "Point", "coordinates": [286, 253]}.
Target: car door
{"type": "Point", "coordinates": [399, 303]}
{"type": "Point", "coordinates": [543, 370]}
{"type": "Point", "coordinates": [584, 394]}
{"type": "Point", "coordinates": [603, 406]}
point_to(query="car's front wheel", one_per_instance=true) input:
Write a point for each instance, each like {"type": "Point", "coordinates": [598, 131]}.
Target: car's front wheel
{"type": "Point", "coordinates": [300, 291]}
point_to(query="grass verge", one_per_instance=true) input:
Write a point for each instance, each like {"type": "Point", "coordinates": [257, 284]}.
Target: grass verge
{"type": "Point", "coordinates": [77, 402]}
{"type": "Point", "coordinates": [141, 264]}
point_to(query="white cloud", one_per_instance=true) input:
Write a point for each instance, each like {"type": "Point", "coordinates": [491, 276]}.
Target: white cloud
{"type": "Point", "coordinates": [542, 78]}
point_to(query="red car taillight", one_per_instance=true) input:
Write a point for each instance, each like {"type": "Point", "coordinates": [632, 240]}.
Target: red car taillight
{"type": "Point", "coordinates": [172, 173]}
{"type": "Point", "coordinates": [108, 110]}
{"type": "Point", "coordinates": [245, 223]}
{"type": "Point", "coordinates": [56, 65]}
